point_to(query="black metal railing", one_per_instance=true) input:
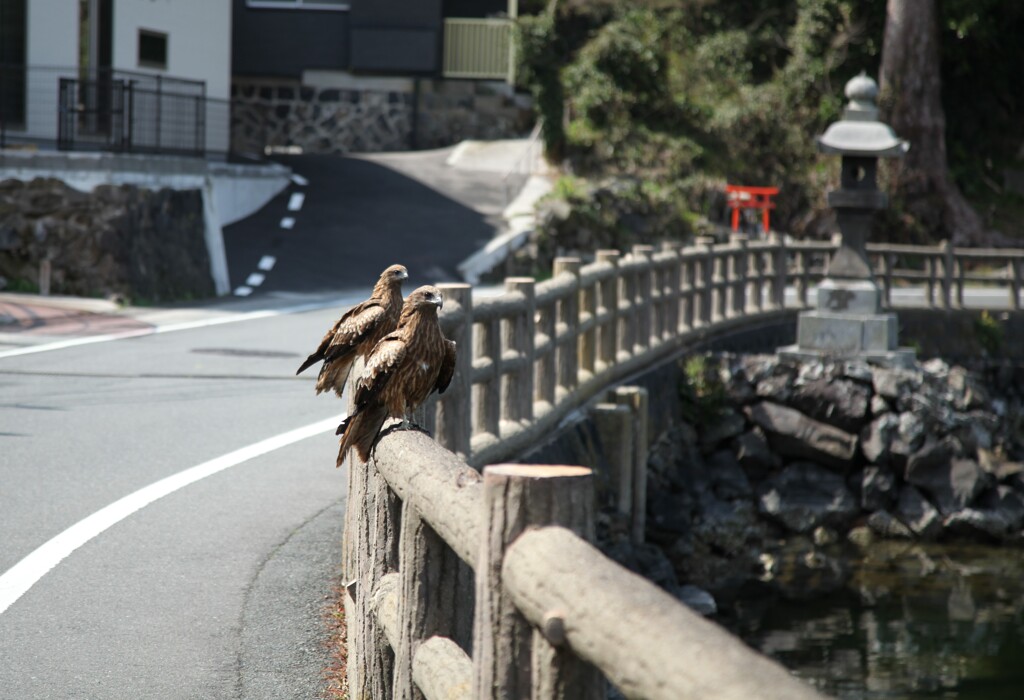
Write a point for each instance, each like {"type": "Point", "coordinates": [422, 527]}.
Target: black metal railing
{"type": "Point", "coordinates": [110, 110]}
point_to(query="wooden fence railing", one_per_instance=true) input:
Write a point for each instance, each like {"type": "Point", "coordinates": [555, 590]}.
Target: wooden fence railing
{"type": "Point", "coordinates": [464, 586]}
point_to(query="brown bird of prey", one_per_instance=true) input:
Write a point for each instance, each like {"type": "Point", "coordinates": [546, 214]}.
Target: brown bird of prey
{"type": "Point", "coordinates": [357, 332]}
{"type": "Point", "coordinates": [401, 371]}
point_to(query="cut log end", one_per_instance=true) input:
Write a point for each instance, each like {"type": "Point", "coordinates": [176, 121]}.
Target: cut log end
{"type": "Point", "coordinates": [536, 471]}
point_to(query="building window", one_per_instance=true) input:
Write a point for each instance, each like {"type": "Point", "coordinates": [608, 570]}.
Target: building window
{"type": "Point", "coordinates": [152, 49]}
{"type": "Point", "coordinates": [299, 4]}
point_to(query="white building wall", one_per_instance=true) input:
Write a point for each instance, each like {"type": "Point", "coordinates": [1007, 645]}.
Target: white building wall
{"type": "Point", "coordinates": [198, 39]}
{"type": "Point", "coordinates": [52, 42]}
{"type": "Point", "coordinates": [198, 48]}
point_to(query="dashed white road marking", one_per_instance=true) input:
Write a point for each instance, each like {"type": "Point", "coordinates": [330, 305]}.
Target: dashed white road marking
{"type": "Point", "coordinates": [17, 580]}
{"type": "Point", "coordinates": [287, 222]}
{"type": "Point", "coordinates": [255, 279]}
{"type": "Point", "coordinates": [243, 291]}
{"type": "Point", "coordinates": [267, 263]}
{"type": "Point", "coordinates": [295, 201]}
{"type": "Point", "coordinates": [299, 180]}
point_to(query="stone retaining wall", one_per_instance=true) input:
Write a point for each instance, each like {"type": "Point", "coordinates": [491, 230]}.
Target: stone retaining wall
{"type": "Point", "coordinates": [117, 240]}
{"type": "Point", "coordinates": [283, 113]}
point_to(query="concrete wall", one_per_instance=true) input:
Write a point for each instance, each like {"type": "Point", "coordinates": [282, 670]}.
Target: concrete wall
{"type": "Point", "coordinates": [52, 41]}
{"type": "Point", "coordinates": [198, 39]}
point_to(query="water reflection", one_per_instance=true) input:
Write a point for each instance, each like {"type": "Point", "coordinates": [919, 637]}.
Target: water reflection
{"type": "Point", "coordinates": [916, 621]}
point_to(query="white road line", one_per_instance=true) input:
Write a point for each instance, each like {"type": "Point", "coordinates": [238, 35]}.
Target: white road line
{"type": "Point", "coordinates": [287, 222]}
{"type": "Point", "coordinates": [243, 291]}
{"type": "Point", "coordinates": [184, 326]}
{"type": "Point", "coordinates": [17, 580]}
{"type": "Point", "coordinates": [267, 263]}
{"type": "Point", "coordinates": [295, 201]}
{"type": "Point", "coordinates": [255, 279]}
{"type": "Point", "coordinates": [299, 180]}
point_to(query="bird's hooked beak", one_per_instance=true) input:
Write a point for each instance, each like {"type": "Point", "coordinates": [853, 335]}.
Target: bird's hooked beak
{"type": "Point", "coordinates": [403, 275]}
{"type": "Point", "coordinates": [437, 299]}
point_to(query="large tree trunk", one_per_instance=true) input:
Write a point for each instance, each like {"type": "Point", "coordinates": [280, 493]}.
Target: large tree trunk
{"type": "Point", "coordinates": [911, 93]}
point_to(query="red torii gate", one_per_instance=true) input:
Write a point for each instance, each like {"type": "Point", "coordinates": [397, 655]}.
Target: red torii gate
{"type": "Point", "coordinates": [743, 197]}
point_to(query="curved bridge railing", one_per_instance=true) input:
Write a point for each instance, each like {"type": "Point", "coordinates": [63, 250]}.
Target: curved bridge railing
{"type": "Point", "coordinates": [470, 586]}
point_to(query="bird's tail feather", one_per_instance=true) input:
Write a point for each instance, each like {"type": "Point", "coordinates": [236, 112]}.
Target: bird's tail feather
{"type": "Point", "coordinates": [359, 431]}
{"type": "Point", "coordinates": [312, 359]}
{"type": "Point", "coordinates": [333, 375]}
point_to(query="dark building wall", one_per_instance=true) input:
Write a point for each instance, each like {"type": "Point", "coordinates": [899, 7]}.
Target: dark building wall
{"type": "Point", "coordinates": [396, 36]}
{"type": "Point", "coordinates": [474, 8]}
{"type": "Point", "coordinates": [285, 42]}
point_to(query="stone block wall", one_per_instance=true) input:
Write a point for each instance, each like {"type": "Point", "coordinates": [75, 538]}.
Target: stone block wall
{"type": "Point", "coordinates": [116, 240]}
{"type": "Point", "coordinates": [334, 120]}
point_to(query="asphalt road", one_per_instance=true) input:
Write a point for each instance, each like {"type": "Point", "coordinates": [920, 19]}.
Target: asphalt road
{"type": "Point", "coordinates": [215, 590]}
{"type": "Point", "coordinates": [169, 507]}
{"type": "Point", "coordinates": [362, 213]}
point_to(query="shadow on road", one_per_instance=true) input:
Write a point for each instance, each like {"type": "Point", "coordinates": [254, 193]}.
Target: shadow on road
{"type": "Point", "coordinates": [357, 218]}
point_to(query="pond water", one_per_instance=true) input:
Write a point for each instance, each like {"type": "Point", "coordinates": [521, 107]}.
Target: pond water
{"type": "Point", "coordinates": [914, 621]}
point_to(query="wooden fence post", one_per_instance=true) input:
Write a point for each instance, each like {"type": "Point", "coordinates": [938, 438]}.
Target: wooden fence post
{"type": "Point", "coordinates": [702, 285]}
{"type": "Point", "coordinates": [435, 597]}
{"type": "Point", "coordinates": [1014, 264]}
{"type": "Point", "coordinates": [505, 647]}
{"type": "Point", "coordinates": [517, 387]}
{"type": "Point", "coordinates": [779, 272]}
{"type": "Point", "coordinates": [636, 398]}
{"type": "Point", "coordinates": [454, 426]}
{"type": "Point", "coordinates": [371, 551]}
{"type": "Point", "coordinates": [489, 346]}
{"type": "Point", "coordinates": [737, 273]}
{"type": "Point", "coordinates": [588, 340]}
{"type": "Point", "coordinates": [643, 299]}
{"type": "Point", "coordinates": [672, 291]}
{"type": "Point", "coordinates": [608, 302]}
{"type": "Point", "coordinates": [567, 346]}
{"type": "Point", "coordinates": [615, 426]}
{"type": "Point", "coordinates": [946, 286]}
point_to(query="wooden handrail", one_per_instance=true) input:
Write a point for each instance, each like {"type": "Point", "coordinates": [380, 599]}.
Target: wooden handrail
{"type": "Point", "coordinates": [418, 529]}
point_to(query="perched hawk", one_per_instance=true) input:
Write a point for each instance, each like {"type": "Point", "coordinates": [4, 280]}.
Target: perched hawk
{"type": "Point", "coordinates": [358, 331]}
{"type": "Point", "coordinates": [400, 372]}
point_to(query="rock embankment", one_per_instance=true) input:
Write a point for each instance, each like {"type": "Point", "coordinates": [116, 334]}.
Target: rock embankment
{"type": "Point", "coordinates": [782, 463]}
{"type": "Point", "coordinates": [115, 240]}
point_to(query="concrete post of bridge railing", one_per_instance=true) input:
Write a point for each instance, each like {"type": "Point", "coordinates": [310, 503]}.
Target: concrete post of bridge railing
{"type": "Point", "coordinates": [779, 271]}
{"type": "Point", "coordinates": [567, 349]}
{"type": "Point", "coordinates": [672, 291]}
{"type": "Point", "coordinates": [370, 551]}
{"type": "Point", "coordinates": [738, 264]}
{"type": "Point", "coordinates": [588, 338]}
{"type": "Point", "coordinates": [435, 597]}
{"type": "Point", "coordinates": [642, 298]}
{"type": "Point", "coordinates": [608, 303]}
{"type": "Point", "coordinates": [1015, 282]}
{"type": "Point", "coordinates": [638, 400]}
{"type": "Point", "coordinates": [704, 284]}
{"type": "Point", "coordinates": [506, 648]}
{"type": "Point", "coordinates": [946, 282]}
{"type": "Point", "coordinates": [517, 385]}
{"type": "Point", "coordinates": [615, 425]}
{"type": "Point", "coordinates": [453, 425]}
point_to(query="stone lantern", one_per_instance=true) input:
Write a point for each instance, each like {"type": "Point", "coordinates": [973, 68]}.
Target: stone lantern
{"type": "Point", "coordinates": [848, 321]}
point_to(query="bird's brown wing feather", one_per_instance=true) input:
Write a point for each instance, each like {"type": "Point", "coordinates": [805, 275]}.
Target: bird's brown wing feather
{"type": "Point", "coordinates": [380, 367]}
{"type": "Point", "coordinates": [353, 328]}
{"type": "Point", "coordinates": [347, 332]}
{"type": "Point", "coordinates": [447, 371]}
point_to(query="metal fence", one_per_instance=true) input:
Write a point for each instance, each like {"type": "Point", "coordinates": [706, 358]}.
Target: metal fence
{"type": "Point", "coordinates": [479, 48]}
{"type": "Point", "coordinates": [110, 110]}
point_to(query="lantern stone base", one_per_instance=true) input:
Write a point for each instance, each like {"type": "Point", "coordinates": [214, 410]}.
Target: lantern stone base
{"type": "Point", "coordinates": [868, 336]}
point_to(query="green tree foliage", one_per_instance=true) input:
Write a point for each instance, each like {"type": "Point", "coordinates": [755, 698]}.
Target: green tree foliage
{"type": "Point", "coordinates": [684, 92]}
